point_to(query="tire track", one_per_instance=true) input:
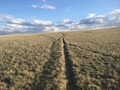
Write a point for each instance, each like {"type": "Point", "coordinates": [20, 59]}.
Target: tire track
{"type": "Point", "coordinates": [57, 72]}
{"type": "Point", "coordinates": [53, 75]}
{"type": "Point", "coordinates": [50, 37]}
{"type": "Point", "coordinates": [93, 51]}
{"type": "Point", "coordinates": [70, 85]}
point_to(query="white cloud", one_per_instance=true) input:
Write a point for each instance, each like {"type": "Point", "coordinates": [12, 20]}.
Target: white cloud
{"type": "Point", "coordinates": [34, 6]}
{"type": "Point", "coordinates": [91, 15]}
{"type": "Point", "coordinates": [66, 21]}
{"type": "Point", "coordinates": [5, 16]}
{"type": "Point", "coordinates": [116, 15]}
{"type": "Point", "coordinates": [11, 19]}
{"type": "Point", "coordinates": [9, 24]}
{"type": "Point", "coordinates": [15, 26]}
{"type": "Point", "coordinates": [41, 22]}
{"type": "Point", "coordinates": [116, 11]}
{"type": "Point", "coordinates": [17, 20]}
{"type": "Point", "coordinates": [94, 20]}
{"type": "Point", "coordinates": [45, 6]}
{"type": "Point", "coordinates": [52, 28]}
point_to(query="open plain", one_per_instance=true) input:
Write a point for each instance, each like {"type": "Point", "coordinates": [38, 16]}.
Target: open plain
{"type": "Point", "coordinates": [76, 60]}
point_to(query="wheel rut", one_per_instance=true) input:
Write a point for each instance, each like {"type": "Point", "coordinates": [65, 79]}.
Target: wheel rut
{"type": "Point", "coordinates": [57, 73]}
{"type": "Point", "coordinates": [50, 37]}
{"type": "Point", "coordinates": [93, 51]}
{"type": "Point", "coordinates": [70, 85]}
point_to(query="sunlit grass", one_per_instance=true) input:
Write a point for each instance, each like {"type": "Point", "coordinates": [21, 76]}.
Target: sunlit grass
{"type": "Point", "coordinates": [38, 62]}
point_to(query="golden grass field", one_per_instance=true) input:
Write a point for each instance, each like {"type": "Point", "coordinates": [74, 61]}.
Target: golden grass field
{"type": "Point", "coordinates": [76, 60]}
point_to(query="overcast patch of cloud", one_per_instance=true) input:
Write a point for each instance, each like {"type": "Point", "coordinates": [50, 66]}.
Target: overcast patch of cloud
{"type": "Point", "coordinates": [10, 25]}
{"type": "Point", "coordinates": [94, 20]}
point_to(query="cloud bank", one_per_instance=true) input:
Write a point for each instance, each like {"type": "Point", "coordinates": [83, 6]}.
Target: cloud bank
{"type": "Point", "coordinates": [10, 25]}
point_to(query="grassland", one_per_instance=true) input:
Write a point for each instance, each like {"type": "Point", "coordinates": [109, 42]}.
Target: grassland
{"type": "Point", "coordinates": [78, 60]}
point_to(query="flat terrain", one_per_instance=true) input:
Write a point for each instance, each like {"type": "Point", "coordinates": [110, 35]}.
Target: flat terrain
{"type": "Point", "coordinates": [77, 60]}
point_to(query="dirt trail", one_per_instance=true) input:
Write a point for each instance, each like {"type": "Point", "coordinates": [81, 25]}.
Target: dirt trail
{"type": "Point", "coordinates": [70, 85]}
{"type": "Point", "coordinates": [57, 72]}
{"type": "Point", "coordinates": [53, 74]}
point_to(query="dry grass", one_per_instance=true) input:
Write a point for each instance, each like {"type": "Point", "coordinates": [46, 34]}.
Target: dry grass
{"type": "Point", "coordinates": [41, 61]}
{"type": "Point", "coordinates": [96, 58]}
{"type": "Point", "coordinates": [22, 59]}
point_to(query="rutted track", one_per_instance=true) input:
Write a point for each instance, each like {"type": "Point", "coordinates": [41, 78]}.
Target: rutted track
{"type": "Point", "coordinates": [53, 74]}
{"type": "Point", "coordinates": [68, 66]}
{"type": "Point", "coordinates": [97, 52]}
{"type": "Point", "coordinates": [57, 72]}
{"type": "Point", "coordinates": [49, 37]}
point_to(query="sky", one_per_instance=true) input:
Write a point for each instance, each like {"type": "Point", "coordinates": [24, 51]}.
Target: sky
{"type": "Point", "coordinates": [34, 16]}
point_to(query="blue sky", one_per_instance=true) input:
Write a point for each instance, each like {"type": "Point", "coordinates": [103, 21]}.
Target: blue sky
{"type": "Point", "coordinates": [56, 13]}
{"type": "Point", "coordinates": [73, 9]}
